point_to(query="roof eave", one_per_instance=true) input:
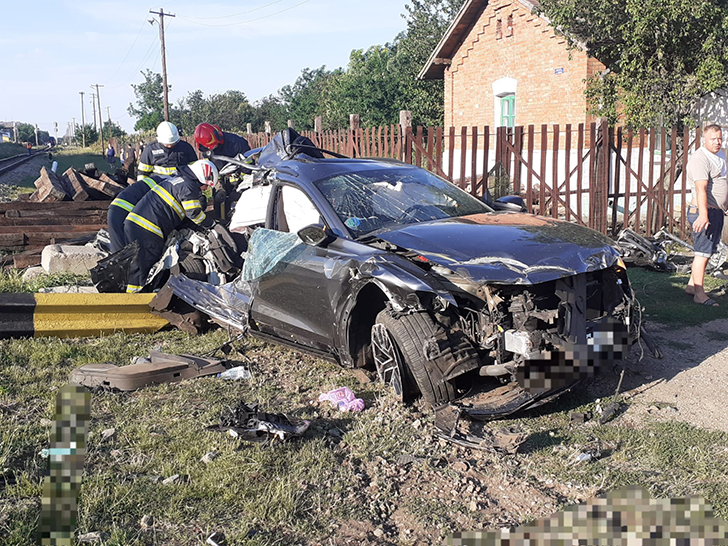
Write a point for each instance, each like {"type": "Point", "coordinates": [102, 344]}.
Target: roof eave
{"type": "Point", "coordinates": [435, 70]}
{"type": "Point", "coordinates": [468, 15]}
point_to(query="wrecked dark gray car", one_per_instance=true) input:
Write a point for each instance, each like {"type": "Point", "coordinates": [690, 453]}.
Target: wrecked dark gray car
{"type": "Point", "coordinates": [380, 264]}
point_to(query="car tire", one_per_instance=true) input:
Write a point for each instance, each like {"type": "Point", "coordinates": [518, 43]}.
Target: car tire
{"type": "Point", "coordinates": [410, 335]}
{"type": "Point", "coordinates": [193, 266]}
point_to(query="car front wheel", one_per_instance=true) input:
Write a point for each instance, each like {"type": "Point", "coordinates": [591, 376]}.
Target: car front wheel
{"type": "Point", "coordinates": [398, 347]}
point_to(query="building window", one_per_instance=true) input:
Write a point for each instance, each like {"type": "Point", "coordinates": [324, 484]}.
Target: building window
{"type": "Point", "coordinates": [498, 29]}
{"type": "Point", "coordinates": [508, 110]}
{"type": "Point", "coordinates": [509, 26]}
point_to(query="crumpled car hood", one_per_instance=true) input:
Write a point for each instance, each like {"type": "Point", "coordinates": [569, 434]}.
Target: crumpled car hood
{"type": "Point", "coordinates": [506, 248]}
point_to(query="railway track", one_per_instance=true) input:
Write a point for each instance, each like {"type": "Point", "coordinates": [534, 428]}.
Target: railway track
{"type": "Point", "coordinates": [9, 163]}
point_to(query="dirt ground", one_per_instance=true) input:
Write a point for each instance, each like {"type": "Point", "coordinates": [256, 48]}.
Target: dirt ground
{"type": "Point", "coordinates": [690, 383]}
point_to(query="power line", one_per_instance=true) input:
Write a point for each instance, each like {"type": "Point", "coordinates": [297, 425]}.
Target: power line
{"type": "Point", "coordinates": [248, 21]}
{"type": "Point", "coordinates": [144, 60]}
{"type": "Point", "coordinates": [130, 48]}
{"type": "Point", "coordinates": [241, 13]}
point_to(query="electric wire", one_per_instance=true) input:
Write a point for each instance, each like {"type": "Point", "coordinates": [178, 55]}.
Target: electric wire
{"type": "Point", "coordinates": [248, 21]}
{"type": "Point", "coordinates": [241, 13]}
{"type": "Point", "coordinates": [130, 48]}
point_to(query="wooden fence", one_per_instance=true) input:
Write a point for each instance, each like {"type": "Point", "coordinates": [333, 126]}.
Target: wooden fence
{"type": "Point", "coordinates": [602, 177]}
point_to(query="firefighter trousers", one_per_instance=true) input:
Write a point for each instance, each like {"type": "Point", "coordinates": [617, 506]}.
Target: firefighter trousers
{"type": "Point", "coordinates": [151, 248]}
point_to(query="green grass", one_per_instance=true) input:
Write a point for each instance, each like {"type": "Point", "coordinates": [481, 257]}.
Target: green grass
{"type": "Point", "coordinates": [312, 490]}
{"type": "Point", "coordinates": [9, 149]}
{"type": "Point", "coordinates": [664, 300]}
{"type": "Point", "coordinates": [79, 157]}
{"type": "Point", "coordinates": [308, 491]}
{"type": "Point", "coordinates": [11, 281]}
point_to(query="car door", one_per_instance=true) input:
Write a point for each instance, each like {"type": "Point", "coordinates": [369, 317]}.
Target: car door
{"type": "Point", "coordinates": [295, 300]}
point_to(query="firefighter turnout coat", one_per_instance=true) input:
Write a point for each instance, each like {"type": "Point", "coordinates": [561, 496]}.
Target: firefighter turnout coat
{"type": "Point", "coordinates": [168, 203]}
{"type": "Point", "coordinates": [232, 145]}
{"type": "Point", "coordinates": [123, 205]}
{"type": "Point", "coordinates": [158, 159]}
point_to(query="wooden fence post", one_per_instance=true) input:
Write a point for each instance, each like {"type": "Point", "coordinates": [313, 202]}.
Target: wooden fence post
{"type": "Point", "coordinates": [267, 128]}
{"type": "Point", "coordinates": [405, 123]}
{"type": "Point", "coordinates": [354, 125]}
{"type": "Point", "coordinates": [600, 191]}
{"type": "Point", "coordinates": [318, 124]}
{"type": "Point", "coordinates": [249, 129]}
{"type": "Point", "coordinates": [291, 124]}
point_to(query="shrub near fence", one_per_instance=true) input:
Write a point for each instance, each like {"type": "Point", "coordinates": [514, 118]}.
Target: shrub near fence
{"type": "Point", "coordinates": [603, 177]}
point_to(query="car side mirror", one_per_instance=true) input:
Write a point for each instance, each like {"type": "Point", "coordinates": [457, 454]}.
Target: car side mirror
{"type": "Point", "coordinates": [512, 203]}
{"type": "Point", "coordinates": [314, 235]}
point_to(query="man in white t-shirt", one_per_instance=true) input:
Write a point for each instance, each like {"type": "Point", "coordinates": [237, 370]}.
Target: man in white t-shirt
{"type": "Point", "coordinates": [706, 175]}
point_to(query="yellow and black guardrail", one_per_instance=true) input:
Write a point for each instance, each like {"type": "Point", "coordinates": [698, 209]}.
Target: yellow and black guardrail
{"type": "Point", "coordinates": [76, 315]}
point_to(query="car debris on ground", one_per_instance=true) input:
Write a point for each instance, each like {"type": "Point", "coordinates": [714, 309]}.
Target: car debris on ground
{"type": "Point", "coordinates": [665, 252]}
{"type": "Point", "coordinates": [247, 423]}
{"type": "Point", "coordinates": [158, 368]}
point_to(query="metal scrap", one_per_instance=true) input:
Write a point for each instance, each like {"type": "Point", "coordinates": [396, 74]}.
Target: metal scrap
{"type": "Point", "coordinates": [657, 252]}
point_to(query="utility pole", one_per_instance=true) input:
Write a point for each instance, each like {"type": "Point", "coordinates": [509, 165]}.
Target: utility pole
{"type": "Point", "coordinates": [55, 129]}
{"type": "Point", "coordinates": [101, 119]}
{"type": "Point", "coordinates": [15, 133]}
{"type": "Point", "coordinates": [83, 123]}
{"type": "Point", "coordinates": [93, 104]}
{"type": "Point", "coordinates": [36, 134]}
{"type": "Point", "coordinates": [164, 57]}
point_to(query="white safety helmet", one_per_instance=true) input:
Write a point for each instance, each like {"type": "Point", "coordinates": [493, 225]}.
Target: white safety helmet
{"type": "Point", "coordinates": [205, 171]}
{"type": "Point", "coordinates": [167, 133]}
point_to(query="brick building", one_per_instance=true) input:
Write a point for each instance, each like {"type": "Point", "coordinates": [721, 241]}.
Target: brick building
{"type": "Point", "coordinates": [504, 66]}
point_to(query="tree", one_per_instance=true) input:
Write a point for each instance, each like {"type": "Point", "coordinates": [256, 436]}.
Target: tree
{"type": "Point", "coordinates": [427, 22]}
{"type": "Point", "coordinates": [92, 135]}
{"type": "Point", "coordinates": [369, 87]}
{"type": "Point", "coordinates": [112, 129]}
{"type": "Point", "coordinates": [310, 96]}
{"type": "Point", "coordinates": [189, 112]}
{"type": "Point", "coordinates": [149, 108]}
{"type": "Point", "coordinates": [660, 56]}
{"type": "Point", "coordinates": [26, 132]}
{"type": "Point", "coordinates": [270, 108]}
{"type": "Point", "coordinates": [229, 110]}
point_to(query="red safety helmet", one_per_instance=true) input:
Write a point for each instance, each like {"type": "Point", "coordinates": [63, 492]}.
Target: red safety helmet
{"type": "Point", "coordinates": [208, 137]}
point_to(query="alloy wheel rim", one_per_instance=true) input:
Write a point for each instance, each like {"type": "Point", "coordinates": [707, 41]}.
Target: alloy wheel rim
{"type": "Point", "coordinates": [387, 358]}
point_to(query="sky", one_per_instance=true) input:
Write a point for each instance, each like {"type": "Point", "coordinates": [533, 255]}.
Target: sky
{"type": "Point", "coordinates": [50, 50]}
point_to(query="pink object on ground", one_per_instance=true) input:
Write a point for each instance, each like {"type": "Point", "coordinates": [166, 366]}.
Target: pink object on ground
{"type": "Point", "coordinates": [344, 399]}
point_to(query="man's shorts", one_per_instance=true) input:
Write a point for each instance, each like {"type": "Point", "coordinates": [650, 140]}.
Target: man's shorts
{"type": "Point", "coordinates": [706, 242]}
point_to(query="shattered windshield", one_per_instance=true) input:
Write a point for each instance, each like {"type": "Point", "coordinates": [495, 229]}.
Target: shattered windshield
{"type": "Point", "coordinates": [389, 198]}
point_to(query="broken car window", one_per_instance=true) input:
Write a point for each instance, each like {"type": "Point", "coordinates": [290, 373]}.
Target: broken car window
{"type": "Point", "coordinates": [388, 198]}
{"type": "Point", "coordinates": [269, 251]}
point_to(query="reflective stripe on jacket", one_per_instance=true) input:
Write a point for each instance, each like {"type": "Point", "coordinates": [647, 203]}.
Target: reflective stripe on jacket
{"type": "Point", "coordinates": [170, 201]}
{"type": "Point", "coordinates": [131, 195]}
{"type": "Point", "coordinates": [158, 159]}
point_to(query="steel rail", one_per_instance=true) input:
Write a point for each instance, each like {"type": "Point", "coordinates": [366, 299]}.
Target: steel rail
{"type": "Point", "coordinates": [7, 164]}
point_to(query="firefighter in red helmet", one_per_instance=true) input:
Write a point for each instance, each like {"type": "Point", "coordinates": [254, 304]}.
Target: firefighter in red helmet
{"type": "Point", "coordinates": [210, 139]}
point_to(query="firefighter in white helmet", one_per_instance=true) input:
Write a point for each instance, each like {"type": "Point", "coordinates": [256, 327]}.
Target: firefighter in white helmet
{"type": "Point", "coordinates": [163, 209]}
{"type": "Point", "coordinates": [164, 156]}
